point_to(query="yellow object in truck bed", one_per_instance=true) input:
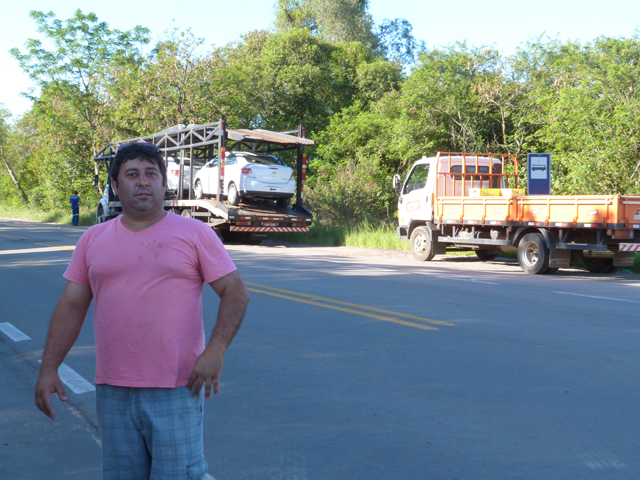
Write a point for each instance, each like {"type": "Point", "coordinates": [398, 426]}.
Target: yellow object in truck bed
{"type": "Point", "coordinates": [496, 192]}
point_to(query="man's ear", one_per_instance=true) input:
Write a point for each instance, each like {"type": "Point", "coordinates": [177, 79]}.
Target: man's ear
{"type": "Point", "coordinates": [114, 186]}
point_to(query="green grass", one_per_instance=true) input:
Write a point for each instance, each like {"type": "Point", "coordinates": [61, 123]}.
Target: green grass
{"type": "Point", "coordinates": [87, 217]}
{"type": "Point", "coordinates": [365, 236]}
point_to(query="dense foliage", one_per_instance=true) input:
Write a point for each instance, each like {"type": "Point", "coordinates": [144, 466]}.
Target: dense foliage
{"type": "Point", "coordinates": [372, 97]}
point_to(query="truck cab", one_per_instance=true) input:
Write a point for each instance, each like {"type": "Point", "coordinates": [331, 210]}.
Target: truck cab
{"type": "Point", "coordinates": [416, 195]}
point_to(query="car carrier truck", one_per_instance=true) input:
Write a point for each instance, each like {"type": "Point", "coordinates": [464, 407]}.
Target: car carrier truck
{"type": "Point", "coordinates": [471, 201]}
{"type": "Point", "coordinates": [187, 147]}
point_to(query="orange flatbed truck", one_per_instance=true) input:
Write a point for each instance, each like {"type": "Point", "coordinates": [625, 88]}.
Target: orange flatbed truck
{"type": "Point", "coordinates": [471, 201]}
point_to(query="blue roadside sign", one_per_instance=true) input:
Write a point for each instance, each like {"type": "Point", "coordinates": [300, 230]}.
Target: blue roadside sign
{"type": "Point", "coordinates": [538, 174]}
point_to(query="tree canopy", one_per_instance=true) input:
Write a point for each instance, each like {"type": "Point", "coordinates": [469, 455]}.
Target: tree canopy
{"type": "Point", "coordinates": [372, 97]}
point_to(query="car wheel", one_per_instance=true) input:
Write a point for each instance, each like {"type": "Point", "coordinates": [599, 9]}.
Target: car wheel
{"type": "Point", "coordinates": [232, 195]}
{"type": "Point", "coordinates": [186, 213]}
{"type": "Point", "coordinates": [533, 254]}
{"type": "Point", "coordinates": [421, 245]}
{"type": "Point", "coordinates": [100, 215]}
{"type": "Point", "coordinates": [197, 190]}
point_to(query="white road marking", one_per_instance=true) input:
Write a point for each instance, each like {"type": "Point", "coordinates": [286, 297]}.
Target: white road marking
{"type": "Point", "coordinates": [599, 460]}
{"type": "Point", "coordinates": [12, 332]}
{"type": "Point", "coordinates": [472, 280]}
{"type": "Point", "coordinates": [36, 250]}
{"type": "Point", "coordinates": [598, 298]}
{"type": "Point", "coordinates": [364, 272]}
{"type": "Point", "coordinates": [74, 380]}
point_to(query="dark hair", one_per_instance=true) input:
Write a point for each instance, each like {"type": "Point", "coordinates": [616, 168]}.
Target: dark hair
{"type": "Point", "coordinates": [75, 192]}
{"type": "Point", "coordinates": [144, 151]}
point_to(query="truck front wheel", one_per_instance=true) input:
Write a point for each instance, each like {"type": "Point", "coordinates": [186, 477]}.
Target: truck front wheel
{"type": "Point", "coordinates": [533, 254]}
{"type": "Point", "coordinates": [421, 245]}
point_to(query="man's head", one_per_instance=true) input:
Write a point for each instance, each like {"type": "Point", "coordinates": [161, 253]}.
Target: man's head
{"type": "Point", "coordinates": [143, 151]}
{"type": "Point", "coordinates": [139, 178]}
{"type": "Point", "coordinates": [75, 192]}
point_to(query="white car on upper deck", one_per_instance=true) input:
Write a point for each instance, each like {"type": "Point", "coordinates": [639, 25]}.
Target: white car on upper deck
{"type": "Point", "coordinates": [247, 174]}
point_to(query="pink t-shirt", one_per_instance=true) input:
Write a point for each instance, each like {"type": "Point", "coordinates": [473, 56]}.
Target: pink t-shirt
{"type": "Point", "coordinates": [147, 289]}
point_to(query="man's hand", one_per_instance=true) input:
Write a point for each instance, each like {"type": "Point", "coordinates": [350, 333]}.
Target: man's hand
{"type": "Point", "coordinates": [207, 372]}
{"type": "Point", "coordinates": [49, 383]}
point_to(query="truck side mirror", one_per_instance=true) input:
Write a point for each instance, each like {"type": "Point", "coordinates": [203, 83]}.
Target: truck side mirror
{"type": "Point", "coordinates": [397, 183]}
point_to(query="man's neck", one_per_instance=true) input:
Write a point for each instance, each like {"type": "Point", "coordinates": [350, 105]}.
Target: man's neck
{"type": "Point", "coordinates": [137, 223]}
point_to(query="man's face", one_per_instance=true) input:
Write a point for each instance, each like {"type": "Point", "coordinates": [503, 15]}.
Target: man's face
{"type": "Point", "coordinates": [140, 187]}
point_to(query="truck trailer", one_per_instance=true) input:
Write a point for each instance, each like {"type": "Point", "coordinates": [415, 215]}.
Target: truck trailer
{"type": "Point", "coordinates": [187, 148]}
{"type": "Point", "coordinates": [471, 201]}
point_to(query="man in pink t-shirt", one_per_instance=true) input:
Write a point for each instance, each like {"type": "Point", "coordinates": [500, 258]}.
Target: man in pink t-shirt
{"type": "Point", "coordinates": [145, 271]}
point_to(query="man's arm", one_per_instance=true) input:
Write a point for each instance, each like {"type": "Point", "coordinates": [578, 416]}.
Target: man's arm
{"type": "Point", "coordinates": [66, 322]}
{"type": "Point", "coordinates": [234, 298]}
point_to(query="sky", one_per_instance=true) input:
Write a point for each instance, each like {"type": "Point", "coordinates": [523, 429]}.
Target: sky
{"type": "Point", "coordinates": [503, 24]}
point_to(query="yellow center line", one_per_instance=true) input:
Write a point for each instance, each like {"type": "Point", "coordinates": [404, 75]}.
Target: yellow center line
{"type": "Point", "coordinates": [342, 309]}
{"type": "Point", "coordinates": [59, 247]}
{"type": "Point", "coordinates": [355, 305]}
{"type": "Point", "coordinates": [13, 236]}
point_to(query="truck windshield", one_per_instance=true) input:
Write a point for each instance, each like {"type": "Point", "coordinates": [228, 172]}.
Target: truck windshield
{"type": "Point", "coordinates": [417, 178]}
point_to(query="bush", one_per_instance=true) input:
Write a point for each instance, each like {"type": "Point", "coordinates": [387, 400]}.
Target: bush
{"type": "Point", "coordinates": [350, 196]}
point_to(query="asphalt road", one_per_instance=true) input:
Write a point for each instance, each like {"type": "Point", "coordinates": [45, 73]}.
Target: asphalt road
{"type": "Point", "coordinates": [360, 364]}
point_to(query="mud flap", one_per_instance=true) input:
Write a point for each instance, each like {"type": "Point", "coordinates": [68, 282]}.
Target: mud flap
{"type": "Point", "coordinates": [438, 248]}
{"type": "Point", "coordinates": [624, 259]}
{"type": "Point", "coordinates": [559, 258]}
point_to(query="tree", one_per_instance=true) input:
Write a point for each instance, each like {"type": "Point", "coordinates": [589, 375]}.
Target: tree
{"type": "Point", "coordinates": [396, 43]}
{"type": "Point", "coordinates": [587, 100]}
{"type": "Point", "coordinates": [5, 115]}
{"type": "Point", "coordinates": [174, 86]}
{"type": "Point", "coordinates": [76, 73]}
{"type": "Point", "coordinates": [332, 20]}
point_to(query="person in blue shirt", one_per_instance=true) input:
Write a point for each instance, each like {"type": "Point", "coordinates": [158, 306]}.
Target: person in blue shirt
{"type": "Point", "coordinates": [75, 207]}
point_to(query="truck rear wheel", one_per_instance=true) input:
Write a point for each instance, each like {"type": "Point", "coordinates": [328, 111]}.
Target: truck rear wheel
{"type": "Point", "coordinates": [533, 254]}
{"type": "Point", "coordinates": [486, 255]}
{"type": "Point", "coordinates": [598, 264]}
{"type": "Point", "coordinates": [421, 245]}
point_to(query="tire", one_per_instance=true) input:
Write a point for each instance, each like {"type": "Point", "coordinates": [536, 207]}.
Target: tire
{"type": "Point", "coordinates": [598, 265]}
{"type": "Point", "coordinates": [100, 215]}
{"type": "Point", "coordinates": [232, 194]}
{"type": "Point", "coordinates": [533, 254]}
{"type": "Point", "coordinates": [421, 246]}
{"type": "Point", "coordinates": [197, 190]}
{"type": "Point", "coordinates": [486, 255]}
{"type": "Point", "coordinates": [186, 213]}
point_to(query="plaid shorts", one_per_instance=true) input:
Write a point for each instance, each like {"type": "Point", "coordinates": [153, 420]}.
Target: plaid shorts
{"type": "Point", "coordinates": [151, 433]}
